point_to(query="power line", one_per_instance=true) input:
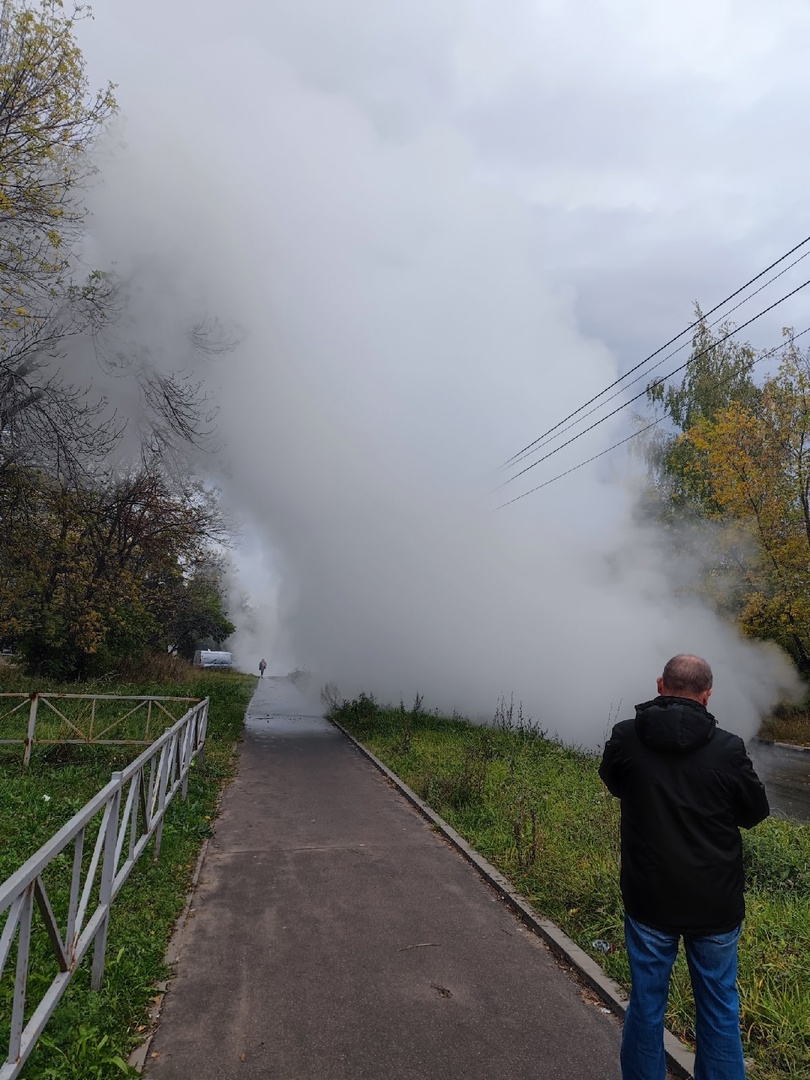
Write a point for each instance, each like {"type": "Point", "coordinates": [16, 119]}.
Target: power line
{"type": "Point", "coordinates": [652, 356]}
{"type": "Point", "coordinates": [545, 440]}
{"type": "Point", "coordinates": [582, 464]}
{"type": "Point", "coordinates": [657, 382]}
{"type": "Point", "coordinates": [615, 446]}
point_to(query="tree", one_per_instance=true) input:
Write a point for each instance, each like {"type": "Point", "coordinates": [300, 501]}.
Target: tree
{"type": "Point", "coordinates": [93, 575]}
{"type": "Point", "coordinates": [754, 464]}
{"type": "Point", "coordinates": [49, 123]}
{"type": "Point", "coordinates": [197, 611]}
{"type": "Point", "coordinates": [720, 372]}
{"type": "Point", "coordinates": [50, 307]}
{"type": "Point", "coordinates": [94, 566]}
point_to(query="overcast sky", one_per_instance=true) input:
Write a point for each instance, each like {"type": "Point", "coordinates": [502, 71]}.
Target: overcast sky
{"type": "Point", "coordinates": [441, 226]}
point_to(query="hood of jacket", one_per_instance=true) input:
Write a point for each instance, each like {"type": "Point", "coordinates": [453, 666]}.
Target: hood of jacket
{"type": "Point", "coordinates": [674, 725]}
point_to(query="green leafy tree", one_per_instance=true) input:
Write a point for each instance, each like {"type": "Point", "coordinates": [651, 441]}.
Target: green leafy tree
{"type": "Point", "coordinates": [198, 611]}
{"type": "Point", "coordinates": [720, 372]}
{"type": "Point", "coordinates": [97, 574]}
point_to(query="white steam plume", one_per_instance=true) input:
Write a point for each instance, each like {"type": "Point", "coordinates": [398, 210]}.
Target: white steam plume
{"type": "Point", "coordinates": [402, 334]}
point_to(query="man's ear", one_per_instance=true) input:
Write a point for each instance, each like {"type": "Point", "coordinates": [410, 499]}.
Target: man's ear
{"type": "Point", "coordinates": [660, 684]}
{"type": "Point", "coordinates": [706, 695]}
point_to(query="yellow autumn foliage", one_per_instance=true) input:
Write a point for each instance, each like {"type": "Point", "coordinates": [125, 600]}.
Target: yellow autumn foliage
{"type": "Point", "coordinates": [754, 463]}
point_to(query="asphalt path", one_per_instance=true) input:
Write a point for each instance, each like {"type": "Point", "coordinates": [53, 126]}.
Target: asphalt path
{"type": "Point", "coordinates": [334, 935]}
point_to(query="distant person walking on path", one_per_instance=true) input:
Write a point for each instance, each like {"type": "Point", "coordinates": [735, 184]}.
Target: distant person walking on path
{"type": "Point", "coordinates": [686, 788]}
{"type": "Point", "coordinates": [262, 666]}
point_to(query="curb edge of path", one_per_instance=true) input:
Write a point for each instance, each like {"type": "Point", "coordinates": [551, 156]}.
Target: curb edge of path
{"type": "Point", "coordinates": [795, 748]}
{"type": "Point", "coordinates": [140, 1055]}
{"type": "Point", "coordinates": [679, 1058]}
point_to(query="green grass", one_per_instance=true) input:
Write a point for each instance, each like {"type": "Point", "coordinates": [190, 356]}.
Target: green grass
{"type": "Point", "coordinates": [538, 811]}
{"type": "Point", "coordinates": [91, 1034]}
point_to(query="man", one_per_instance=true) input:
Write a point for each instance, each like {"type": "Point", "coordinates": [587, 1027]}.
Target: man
{"type": "Point", "coordinates": [686, 787]}
{"type": "Point", "coordinates": [262, 666]}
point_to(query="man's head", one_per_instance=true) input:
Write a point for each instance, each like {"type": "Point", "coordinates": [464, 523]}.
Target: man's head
{"type": "Point", "coordinates": [687, 677]}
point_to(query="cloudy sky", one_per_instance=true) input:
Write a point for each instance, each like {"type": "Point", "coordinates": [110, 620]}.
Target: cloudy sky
{"type": "Point", "coordinates": [440, 227]}
{"type": "Point", "coordinates": [662, 143]}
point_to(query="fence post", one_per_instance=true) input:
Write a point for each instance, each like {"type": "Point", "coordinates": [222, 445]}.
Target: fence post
{"type": "Point", "coordinates": [189, 736]}
{"type": "Point", "coordinates": [21, 977]}
{"type": "Point", "coordinates": [169, 749]}
{"type": "Point", "coordinates": [202, 729]}
{"type": "Point", "coordinates": [32, 727]}
{"type": "Point", "coordinates": [105, 886]}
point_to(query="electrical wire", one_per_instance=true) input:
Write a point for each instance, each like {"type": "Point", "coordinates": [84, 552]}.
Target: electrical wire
{"type": "Point", "coordinates": [616, 445]}
{"type": "Point", "coordinates": [657, 382]}
{"type": "Point", "coordinates": [545, 440]}
{"type": "Point", "coordinates": [652, 356]}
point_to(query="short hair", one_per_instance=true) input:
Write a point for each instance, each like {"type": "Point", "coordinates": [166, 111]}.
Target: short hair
{"type": "Point", "coordinates": [687, 674]}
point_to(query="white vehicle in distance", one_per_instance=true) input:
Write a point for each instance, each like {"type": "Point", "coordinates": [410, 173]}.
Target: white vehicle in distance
{"type": "Point", "coordinates": [207, 658]}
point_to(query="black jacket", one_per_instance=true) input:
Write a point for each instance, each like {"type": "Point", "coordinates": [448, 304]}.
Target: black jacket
{"type": "Point", "coordinates": [686, 787]}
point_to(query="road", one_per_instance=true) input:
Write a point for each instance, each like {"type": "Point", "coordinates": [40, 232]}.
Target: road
{"type": "Point", "coordinates": [786, 776]}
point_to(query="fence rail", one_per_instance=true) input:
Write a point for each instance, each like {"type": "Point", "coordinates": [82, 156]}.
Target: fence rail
{"type": "Point", "coordinates": [132, 808]}
{"type": "Point", "coordinates": [50, 719]}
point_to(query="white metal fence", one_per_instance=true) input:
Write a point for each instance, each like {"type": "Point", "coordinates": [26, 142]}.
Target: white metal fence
{"type": "Point", "coordinates": [132, 808]}
{"type": "Point", "coordinates": [57, 719]}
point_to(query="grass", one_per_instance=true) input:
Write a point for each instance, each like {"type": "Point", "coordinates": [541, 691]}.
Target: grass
{"type": "Point", "coordinates": [537, 810]}
{"type": "Point", "coordinates": [91, 1034]}
{"type": "Point", "coordinates": [788, 724]}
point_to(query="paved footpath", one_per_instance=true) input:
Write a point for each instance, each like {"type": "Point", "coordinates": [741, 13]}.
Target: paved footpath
{"type": "Point", "coordinates": [335, 936]}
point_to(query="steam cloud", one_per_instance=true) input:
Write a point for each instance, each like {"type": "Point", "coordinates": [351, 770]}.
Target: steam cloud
{"type": "Point", "coordinates": [402, 332]}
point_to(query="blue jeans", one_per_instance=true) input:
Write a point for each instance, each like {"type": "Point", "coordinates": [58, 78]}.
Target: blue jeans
{"type": "Point", "coordinates": [713, 967]}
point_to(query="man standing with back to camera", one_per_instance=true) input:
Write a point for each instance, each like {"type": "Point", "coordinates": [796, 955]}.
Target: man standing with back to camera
{"type": "Point", "coordinates": [686, 788]}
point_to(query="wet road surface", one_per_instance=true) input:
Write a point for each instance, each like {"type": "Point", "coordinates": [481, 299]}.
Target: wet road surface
{"type": "Point", "coordinates": [786, 776]}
